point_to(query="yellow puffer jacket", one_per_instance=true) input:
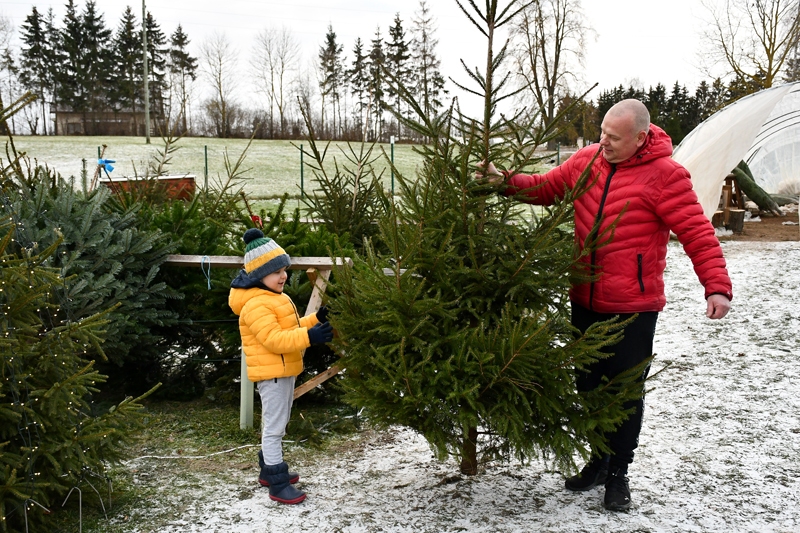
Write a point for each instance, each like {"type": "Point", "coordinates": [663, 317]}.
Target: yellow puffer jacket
{"type": "Point", "coordinates": [273, 334]}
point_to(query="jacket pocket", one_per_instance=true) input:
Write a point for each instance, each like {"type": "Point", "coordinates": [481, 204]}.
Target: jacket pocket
{"type": "Point", "coordinates": [639, 261]}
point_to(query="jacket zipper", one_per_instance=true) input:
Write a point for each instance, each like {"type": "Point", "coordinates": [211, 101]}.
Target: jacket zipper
{"type": "Point", "coordinates": [641, 279]}
{"type": "Point", "coordinates": [597, 219]}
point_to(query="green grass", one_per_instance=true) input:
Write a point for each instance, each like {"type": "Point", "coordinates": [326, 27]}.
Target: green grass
{"type": "Point", "coordinates": [272, 167]}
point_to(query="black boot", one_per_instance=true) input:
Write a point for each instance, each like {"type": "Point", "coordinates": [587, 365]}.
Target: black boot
{"type": "Point", "coordinates": [294, 477]}
{"type": "Point", "coordinates": [280, 489]}
{"type": "Point", "coordinates": [618, 494]}
{"type": "Point", "coordinates": [592, 475]}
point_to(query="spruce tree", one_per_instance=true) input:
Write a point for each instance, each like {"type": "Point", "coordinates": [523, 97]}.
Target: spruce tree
{"type": "Point", "coordinates": [377, 65]}
{"type": "Point", "coordinates": [127, 91]}
{"type": "Point", "coordinates": [36, 61]}
{"type": "Point", "coordinates": [455, 320]}
{"type": "Point", "coordinates": [331, 78]}
{"type": "Point", "coordinates": [156, 64]}
{"type": "Point", "coordinates": [182, 68]}
{"type": "Point", "coordinates": [397, 55]}
{"type": "Point", "coordinates": [53, 434]}
{"type": "Point", "coordinates": [358, 78]}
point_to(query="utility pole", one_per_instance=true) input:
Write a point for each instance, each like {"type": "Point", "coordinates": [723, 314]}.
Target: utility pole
{"type": "Point", "coordinates": [146, 76]}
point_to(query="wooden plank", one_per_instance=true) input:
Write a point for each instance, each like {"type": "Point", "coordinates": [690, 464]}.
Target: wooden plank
{"type": "Point", "coordinates": [320, 284]}
{"type": "Point", "coordinates": [236, 261]}
{"type": "Point", "coordinates": [316, 380]}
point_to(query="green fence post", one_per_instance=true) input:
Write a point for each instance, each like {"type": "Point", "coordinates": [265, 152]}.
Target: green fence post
{"type": "Point", "coordinates": [391, 140]}
{"type": "Point", "coordinates": [205, 150]}
{"type": "Point", "coordinates": [558, 153]}
{"type": "Point", "coordinates": [302, 191]}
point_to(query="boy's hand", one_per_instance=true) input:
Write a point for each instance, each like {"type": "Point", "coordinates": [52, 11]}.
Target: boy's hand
{"type": "Point", "coordinates": [321, 333]}
{"type": "Point", "coordinates": [322, 314]}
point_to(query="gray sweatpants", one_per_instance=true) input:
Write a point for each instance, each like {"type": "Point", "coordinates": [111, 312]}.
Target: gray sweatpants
{"type": "Point", "coordinates": [277, 396]}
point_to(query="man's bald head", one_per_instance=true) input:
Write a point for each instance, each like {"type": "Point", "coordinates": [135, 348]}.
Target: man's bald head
{"type": "Point", "coordinates": [635, 110]}
{"type": "Point", "coordinates": [624, 130]}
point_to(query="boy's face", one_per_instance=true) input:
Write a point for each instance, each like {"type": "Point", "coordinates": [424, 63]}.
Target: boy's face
{"type": "Point", "coordinates": [276, 280]}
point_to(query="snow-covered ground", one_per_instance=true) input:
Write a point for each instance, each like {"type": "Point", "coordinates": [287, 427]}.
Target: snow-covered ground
{"type": "Point", "coordinates": [719, 452]}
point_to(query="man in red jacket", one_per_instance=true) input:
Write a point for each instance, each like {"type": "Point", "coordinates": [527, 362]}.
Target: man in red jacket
{"type": "Point", "coordinates": [636, 177]}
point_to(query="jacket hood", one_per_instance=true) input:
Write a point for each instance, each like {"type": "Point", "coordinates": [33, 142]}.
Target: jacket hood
{"type": "Point", "coordinates": [243, 288]}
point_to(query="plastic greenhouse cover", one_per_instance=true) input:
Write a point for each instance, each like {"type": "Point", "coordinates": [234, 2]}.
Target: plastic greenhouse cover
{"type": "Point", "coordinates": [754, 128]}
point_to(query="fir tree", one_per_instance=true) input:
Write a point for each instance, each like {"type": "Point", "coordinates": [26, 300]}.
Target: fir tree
{"type": "Point", "coordinates": [427, 78]}
{"type": "Point", "coordinates": [468, 338]}
{"type": "Point", "coordinates": [36, 61]}
{"type": "Point", "coordinates": [377, 64]}
{"type": "Point", "coordinates": [331, 77]}
{"type": "Point", "coordinates": [358, 78]}
{"type": "Point", "coordinates": [156, 64]}
{"type": "Point", "coordinates": [127, 91]}
{"type": "Point", "coordinates": [84, 78]}
{"type": "Point", "coordinates": [53, 434]}
{"type": "Point", "coordinates": [397, 56]}
{"type": "Point", "coordinates": [183, 69]}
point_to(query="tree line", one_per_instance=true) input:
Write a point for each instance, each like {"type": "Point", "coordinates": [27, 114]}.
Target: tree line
{"type": "Point", "coordinates": [80, 65]}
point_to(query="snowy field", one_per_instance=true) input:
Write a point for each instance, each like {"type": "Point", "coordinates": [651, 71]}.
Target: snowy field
{"type": "Point", "coordinates": [719, 452]}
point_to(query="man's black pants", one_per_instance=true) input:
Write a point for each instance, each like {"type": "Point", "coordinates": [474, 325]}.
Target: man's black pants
{"type": "Point", "coordinates": [635, 347]}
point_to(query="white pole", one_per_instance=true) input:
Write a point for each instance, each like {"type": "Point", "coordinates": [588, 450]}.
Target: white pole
{"type": "Point", "coordinates": [246, 400]}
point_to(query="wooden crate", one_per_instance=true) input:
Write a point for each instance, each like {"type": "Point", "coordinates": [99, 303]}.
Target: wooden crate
{"type": "Point", "coordinates": [180, 187]}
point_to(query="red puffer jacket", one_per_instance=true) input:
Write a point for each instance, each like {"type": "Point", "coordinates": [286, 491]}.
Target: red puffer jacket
{"type": "Point", "coordinates": [656, 196]}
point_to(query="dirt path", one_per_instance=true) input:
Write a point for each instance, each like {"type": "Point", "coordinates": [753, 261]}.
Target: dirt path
{"type": "Point", "coordinates": [770, 228]}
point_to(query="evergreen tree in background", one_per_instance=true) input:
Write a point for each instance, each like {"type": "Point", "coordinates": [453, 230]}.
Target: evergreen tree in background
{"type": "Point", "coordinates": [127, 95]}
{"type": "Point", "coordinates": [331, 80]}
{"type": "Point", "coordinates": [377, 62]}
{"type": "Point", "coordinates": [156, 65]}
{"type": "Point", "coordinates": [358, 79]}
{"type": "Point", "coordinates": [84, 78]}
{"type": "Point", "coordinates": [397, 56]}
{"type": "Point", "coordinates": [36, 63]}
{"type": "Point", "coordinates": [468, 338]}
{"type": "Point", "coordinates": [183, 69]}
{"type": "Point", "coordinates": [427, 79]}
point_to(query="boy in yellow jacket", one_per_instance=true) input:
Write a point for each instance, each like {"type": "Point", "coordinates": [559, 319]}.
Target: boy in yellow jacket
{"type": "Point", "coordinates": [274, 337]}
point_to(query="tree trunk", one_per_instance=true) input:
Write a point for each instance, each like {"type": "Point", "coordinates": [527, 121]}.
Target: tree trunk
{"type": "Point", "coordinates": [469, 452]}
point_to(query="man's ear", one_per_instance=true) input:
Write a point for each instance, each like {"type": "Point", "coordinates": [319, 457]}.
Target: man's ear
{"type": "Point", "coordinates": [640, 138]}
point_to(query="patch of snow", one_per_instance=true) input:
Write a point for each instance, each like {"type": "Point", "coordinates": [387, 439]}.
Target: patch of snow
{"type": "Point", "coordinates": [718, 452]}
{"type": "Point", "coordinates": [723, 232]}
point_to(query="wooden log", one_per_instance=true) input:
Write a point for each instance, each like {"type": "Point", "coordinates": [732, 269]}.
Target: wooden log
{"type": "Point", "coordinates": [735, 220]}
{"type": "Point", "coordinates": [751, 189]}
{"type": "Point", "coordinates": [716, 219]}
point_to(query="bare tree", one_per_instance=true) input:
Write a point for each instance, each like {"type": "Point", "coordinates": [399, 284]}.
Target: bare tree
{"type": "Point", "coordinates": [752, 39]}
{"type": "Point", "coordinates": [275, 55]}
{"type": "Point", "coordinates": [548, 47]}
{"type": "Point", "coordinates": [218, 65]}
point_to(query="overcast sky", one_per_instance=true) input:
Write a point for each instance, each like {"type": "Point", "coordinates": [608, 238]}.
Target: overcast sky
{"type": "Point", "coordinates": [647, 41]}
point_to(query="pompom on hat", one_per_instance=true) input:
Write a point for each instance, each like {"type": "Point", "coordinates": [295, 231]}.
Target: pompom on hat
{"type": "Point", "coordinates": [262, 255]}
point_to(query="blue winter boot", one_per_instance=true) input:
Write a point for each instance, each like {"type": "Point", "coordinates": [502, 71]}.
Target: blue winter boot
{"type": "Point", "coordinates": [294, 477]}
{"type": "Point", "coordinates": [280, 489]}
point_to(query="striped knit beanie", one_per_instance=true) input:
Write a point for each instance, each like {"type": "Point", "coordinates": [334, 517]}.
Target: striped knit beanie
{"type": "Point", "coordinates": [262, 255]}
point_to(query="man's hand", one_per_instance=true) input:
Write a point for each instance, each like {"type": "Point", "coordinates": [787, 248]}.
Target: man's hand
{"type": "Point", "coordinates": [718, 306]}
{"type": "Point", "coordinates": [490, 175]}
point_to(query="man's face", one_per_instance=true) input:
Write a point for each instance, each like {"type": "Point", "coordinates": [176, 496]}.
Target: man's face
{"type": "Point", "coordinates": [618, 138]}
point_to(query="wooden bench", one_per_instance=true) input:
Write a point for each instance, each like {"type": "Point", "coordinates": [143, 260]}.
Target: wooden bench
{"type": "Point", "coordinates": [318, 270]}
